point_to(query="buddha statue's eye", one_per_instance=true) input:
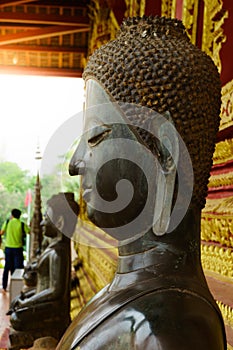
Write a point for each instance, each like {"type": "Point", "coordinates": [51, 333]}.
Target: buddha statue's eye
{"type": "Point", "coordinates": [98, 134]}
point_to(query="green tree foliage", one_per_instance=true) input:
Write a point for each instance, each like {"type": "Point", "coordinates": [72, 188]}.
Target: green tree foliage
{"type": "Point", "coordinates": [50, 185]}
{"type": "Point", "coordinates": [59, 181]}
{"type": "Point", "coordinates": [13, 179]}
{"type": "Point", "coordinates": [14, 183]}
{"type": "Point", "coordinates": [9, 201]}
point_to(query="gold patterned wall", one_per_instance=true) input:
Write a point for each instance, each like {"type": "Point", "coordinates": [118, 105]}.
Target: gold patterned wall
{"type": "Point", "coordinates": [217, 216]}
{"type": "Point", "coordinates": [97, 253]}
{"type": "Point", "coordinates": [213, 35]}
{"type": "Point", "coordinates": [214, 16]}
{"type": "Point", "coordinates": [227, 106]}
{"type": "Point", "coordinates": [189, 18]}
{"type": "Point", "coordinates": [103, 25]}
{"type": "Point", "coordinates": [168, 8]}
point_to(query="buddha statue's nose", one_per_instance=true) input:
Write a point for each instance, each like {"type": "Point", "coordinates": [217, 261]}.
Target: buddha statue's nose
{"type": "Point", "coordinates": [77, 167]}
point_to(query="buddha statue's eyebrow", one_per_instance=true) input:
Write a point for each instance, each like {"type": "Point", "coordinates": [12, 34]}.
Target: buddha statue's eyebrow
{"type": "Point", "coordinates": [148, 139]}
{"type": "Point", "coordinates": [98, 134]}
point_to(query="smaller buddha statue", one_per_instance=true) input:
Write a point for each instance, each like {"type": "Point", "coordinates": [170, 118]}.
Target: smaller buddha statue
{"type": "Point", "coordinates": [45, 310]}
{"type": "Point", "coordinates": [30, 273]}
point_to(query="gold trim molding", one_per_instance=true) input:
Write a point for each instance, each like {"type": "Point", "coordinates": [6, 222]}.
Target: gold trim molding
{"type": "Point", "coordinates": [227, 106]}
{"type": "Point", "coordinates": [213, 36]}
{"type": "Point", "coordinates": [217, 259]}
{"type": "Point", "coordinates": [189, 18]}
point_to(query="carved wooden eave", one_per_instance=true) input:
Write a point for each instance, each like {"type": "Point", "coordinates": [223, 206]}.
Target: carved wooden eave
{"type": "Point", "coordinates": [44, 37]}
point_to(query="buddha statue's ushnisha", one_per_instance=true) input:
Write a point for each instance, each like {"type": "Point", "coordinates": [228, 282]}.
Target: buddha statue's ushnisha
{"type": "Point", "coordinates": [151, 118]}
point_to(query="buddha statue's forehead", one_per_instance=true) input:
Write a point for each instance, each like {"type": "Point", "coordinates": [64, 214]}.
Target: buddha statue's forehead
{"type": "Point", "coordinates": [100, 109]}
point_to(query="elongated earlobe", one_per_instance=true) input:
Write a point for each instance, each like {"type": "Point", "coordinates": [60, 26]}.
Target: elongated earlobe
{"type": "Point", "coordinates": [168, 147]}
{"type": "Point", "coordinates": [60, 223]}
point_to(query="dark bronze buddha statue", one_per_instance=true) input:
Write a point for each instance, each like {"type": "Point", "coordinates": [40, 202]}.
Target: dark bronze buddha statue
{"type": "Point", "coordinates": [45, 310]}
{"type": "Point", "coordinates": [151, 118]}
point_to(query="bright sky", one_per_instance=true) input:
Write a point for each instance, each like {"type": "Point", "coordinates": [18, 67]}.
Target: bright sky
{"type": "Point", "coordinates": [32, 109]}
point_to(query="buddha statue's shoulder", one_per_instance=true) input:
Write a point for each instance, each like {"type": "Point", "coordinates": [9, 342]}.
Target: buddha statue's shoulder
{"type": "Point", "coordinates": [149, 320]}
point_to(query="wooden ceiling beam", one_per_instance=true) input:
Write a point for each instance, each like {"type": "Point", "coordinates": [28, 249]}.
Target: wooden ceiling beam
{"type": "Point", "coordinates": [55, 72]}
{"type": "Point", "coordinates": [40, 33]}
{"type": "Point", "coordinates": [4, 3]}
{"type": "Point", "coordinates": [13, 26]}
{"type": "Point", "coordinates": [50, 19]}
{"type": "Point", "coordinates": [44, 48]}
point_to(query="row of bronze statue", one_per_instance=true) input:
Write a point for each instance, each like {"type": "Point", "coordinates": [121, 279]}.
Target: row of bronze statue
{"type": "Point", "coordinates": [150, 123]}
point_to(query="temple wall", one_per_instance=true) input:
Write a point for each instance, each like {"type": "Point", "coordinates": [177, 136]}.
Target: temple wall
{"type": "Point", "coordinates": [209, 24]}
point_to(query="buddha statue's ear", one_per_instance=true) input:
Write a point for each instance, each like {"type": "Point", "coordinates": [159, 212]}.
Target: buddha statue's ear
{"type": "Point", "coordinates": [168, 149]}
{"type": "Point", "coordinates": [60, 223]}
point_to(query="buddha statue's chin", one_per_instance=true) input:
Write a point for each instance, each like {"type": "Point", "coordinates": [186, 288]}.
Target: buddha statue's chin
{"type": "Point", "coordinates": [120, 226]}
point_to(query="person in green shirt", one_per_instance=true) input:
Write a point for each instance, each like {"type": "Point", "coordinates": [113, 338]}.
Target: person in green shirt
{"type": "Point", "coordinates": [14, 231]}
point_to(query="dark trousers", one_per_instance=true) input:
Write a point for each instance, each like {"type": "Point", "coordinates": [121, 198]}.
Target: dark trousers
{"type": "Point", "coordinates": [13, 260]}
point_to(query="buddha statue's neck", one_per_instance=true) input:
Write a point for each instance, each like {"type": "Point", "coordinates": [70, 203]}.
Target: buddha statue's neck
{"type": "Point", "coordinates": [178, 250]}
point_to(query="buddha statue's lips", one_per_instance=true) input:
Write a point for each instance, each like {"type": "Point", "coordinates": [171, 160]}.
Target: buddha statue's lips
{"type": "Point", "coordinates": [86, 194]}
{"type": "Point", "coordinates": [74, 168]}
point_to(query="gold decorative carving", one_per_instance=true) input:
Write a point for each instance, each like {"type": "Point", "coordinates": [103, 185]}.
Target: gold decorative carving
{"type": "Point", "coordinates": [218, 206]}
{"type": "Point", "coordinates": [221, 180]}
{"type": "Point", "coordinates": [113, 25]}
{"type": "Point", "coordinates": [213, 36]}
{"type": "Point", "coordinates": [217, 228]}
{"type": "Point", "coordinates": [227, 106]}
{"type": "Point", "coordinates": [97, 251]}
{"type": "Point", "coordinates": [189, 18]}
{"type": "Point", "coordinates": [135, 8]}
{"type": "Point", "coordinates": [211, 205]}
{"type": "Point", "coordinates": [142, 7]}
{"type": "Point", "coordinates": [168, 8]}
{"type": "Point", "coordinates": [227, 313]}
{"type": "Point", "coordinates": [223, 152]}
{"type": "Point", "coordinates": [104, 25]}
{"type": "Point", "coordinates": [217, 259]}
{"type": "Point", "coordinates": [132, 8]}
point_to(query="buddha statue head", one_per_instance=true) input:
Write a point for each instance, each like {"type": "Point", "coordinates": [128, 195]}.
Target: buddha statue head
{"type": "Point", "coordinates": [150, 121]}
{"type": "Point", "coordinates": [150, 73]}
{"type": "Point", "coordinates": [61, 215]}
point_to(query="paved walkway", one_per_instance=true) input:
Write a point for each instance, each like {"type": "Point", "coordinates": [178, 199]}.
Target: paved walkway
{"type": "Point", "coordinates": [4, 320]}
